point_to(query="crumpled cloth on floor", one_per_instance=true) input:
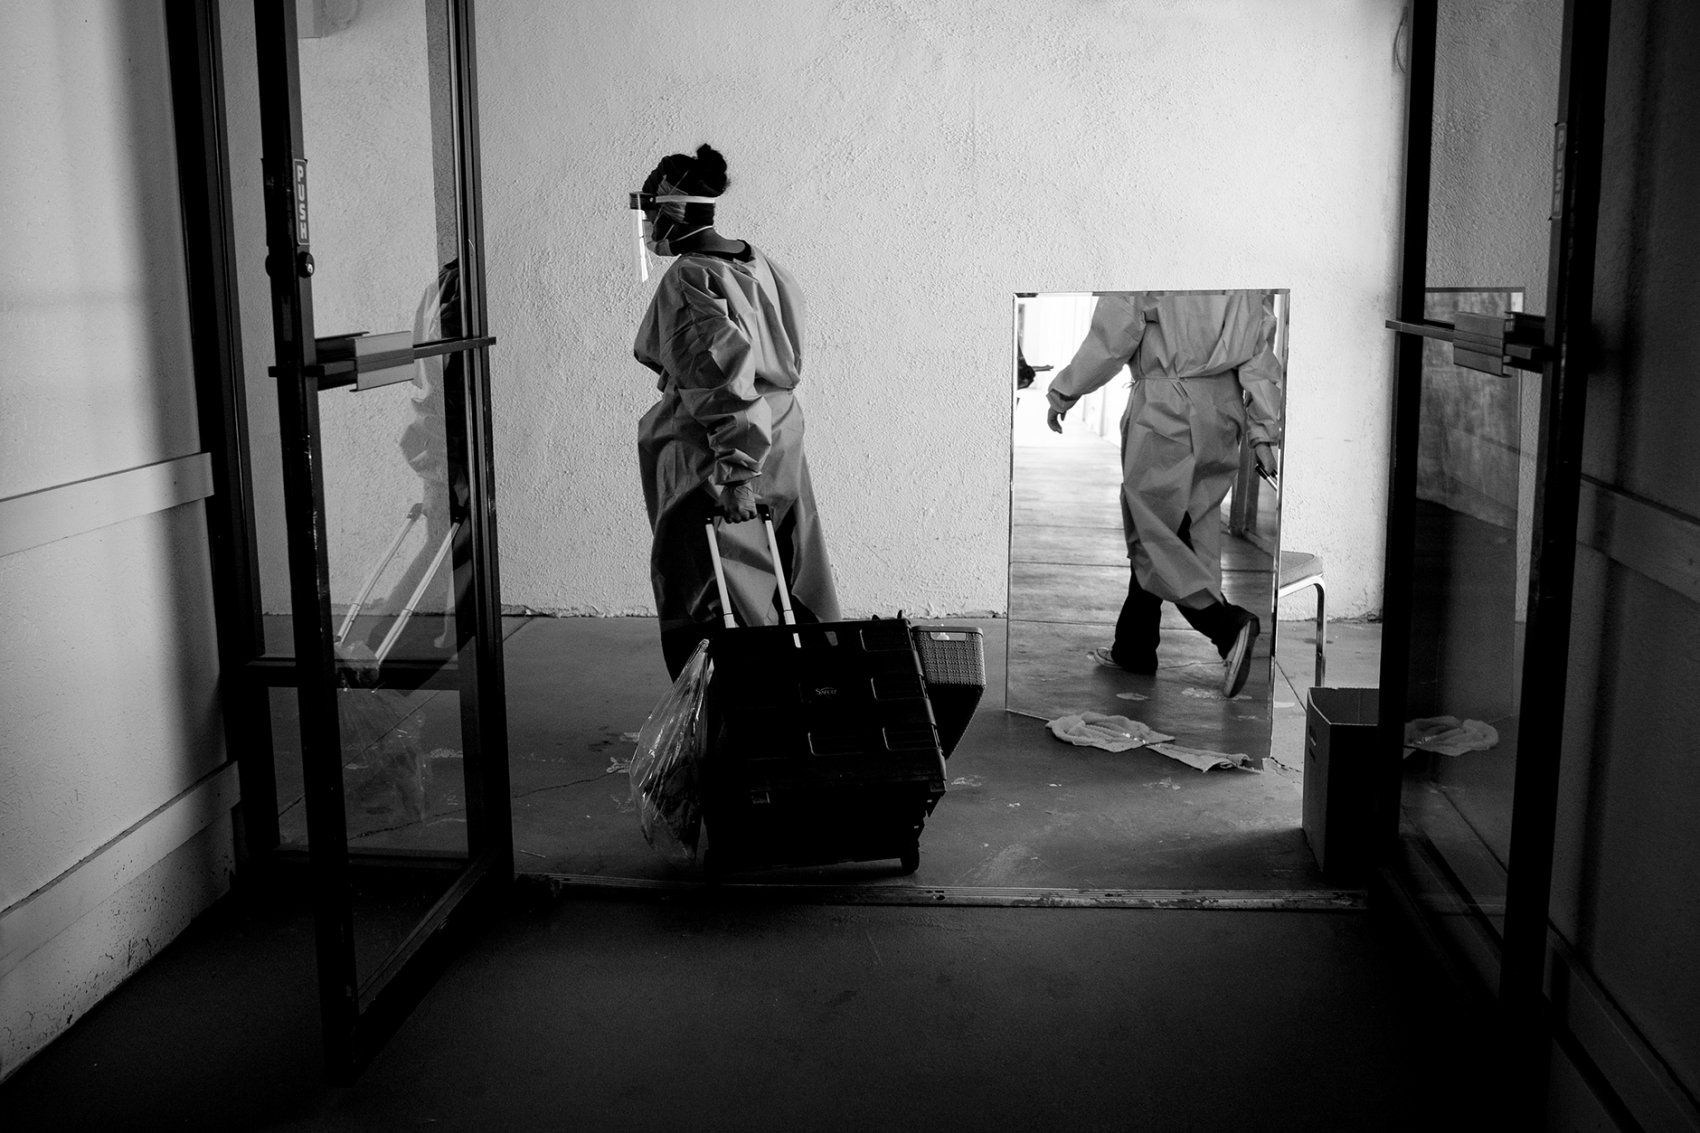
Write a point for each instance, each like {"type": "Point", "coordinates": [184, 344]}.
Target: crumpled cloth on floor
{"type": "Point", "coordinates": [1112, 733]}
{"type": "Point", "coordinates": [1206, 760]}
{"type": "Point", "coordinates": [1449, 735]}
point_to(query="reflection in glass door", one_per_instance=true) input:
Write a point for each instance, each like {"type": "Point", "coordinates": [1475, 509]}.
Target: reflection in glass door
{"type": "Point", "coordinates": [388, 722]}
{"type": "Point", "coordinates": [1501, 206]}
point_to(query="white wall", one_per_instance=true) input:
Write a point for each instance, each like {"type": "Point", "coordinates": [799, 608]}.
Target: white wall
{"type": "Point", "coordinates": [915, 164]}
{"type": "Point", "coordinates": [114, 789]}
{"type": "Point", "coordinates": [1495, 100]}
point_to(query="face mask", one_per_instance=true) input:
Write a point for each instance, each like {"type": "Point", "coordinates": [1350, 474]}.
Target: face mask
{"type": "Point", "coordinates": [664, 245]}
{"type": "Point", "coordinates": [670, 210]}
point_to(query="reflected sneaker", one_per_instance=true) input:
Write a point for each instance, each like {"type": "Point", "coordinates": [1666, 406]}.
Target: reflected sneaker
{"type": "Point", "coordinates": [1106, 658]}
{"type": "Point", "coordinates": [1236, 667]}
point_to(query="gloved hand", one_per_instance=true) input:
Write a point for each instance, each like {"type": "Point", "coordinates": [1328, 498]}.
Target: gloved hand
{"type": "Point", "coordinates": [1264, 453]}
{"type": "Point", "coordinates": [1054, 419]}
{"type": "Point", "coordinates": [738, 502]}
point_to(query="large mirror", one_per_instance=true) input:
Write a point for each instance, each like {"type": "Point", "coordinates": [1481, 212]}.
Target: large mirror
{"type": "Point", "coordinates": [1145, 510]}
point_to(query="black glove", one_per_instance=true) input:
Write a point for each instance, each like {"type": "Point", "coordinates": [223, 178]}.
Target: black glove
{"type": "Point", "coordinates": [738, 502]}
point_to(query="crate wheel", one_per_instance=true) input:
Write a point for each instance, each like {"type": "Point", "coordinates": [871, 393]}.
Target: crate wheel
{"type": "Point", "coordinates": [911, 859]}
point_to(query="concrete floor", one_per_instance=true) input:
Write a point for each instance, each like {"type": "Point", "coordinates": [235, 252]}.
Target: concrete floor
{"type": "Point", "coordinates": [1022, 809]}
{"type": "Point", "coordinates": [858, 999]}
{"type": "Point", "coordinates": [707, 1011]}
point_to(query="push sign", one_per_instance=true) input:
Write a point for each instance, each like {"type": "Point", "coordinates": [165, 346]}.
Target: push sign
{"type": "Point", "coordinates": [301, 201]}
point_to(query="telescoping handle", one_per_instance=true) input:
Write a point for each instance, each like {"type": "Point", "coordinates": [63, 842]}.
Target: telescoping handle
{"type": "Point", "coordinates": [359, 602]}
{"type": "Point", "coordinates": [726, 618]}
{"type": "Point", "coordinates": [785, 613]}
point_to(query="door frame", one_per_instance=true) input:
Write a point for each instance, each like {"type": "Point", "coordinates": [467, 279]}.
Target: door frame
{"type": "Point", "coordinates": [1512, 970]}
{"type": "Point", "coordinates": [357, 1014]}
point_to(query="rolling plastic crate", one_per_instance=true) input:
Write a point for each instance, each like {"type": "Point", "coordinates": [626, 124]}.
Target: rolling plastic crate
{"type": "Point", "coordinates": [953, 663]}
{"type": "Point", "coordinates": [822, 745]}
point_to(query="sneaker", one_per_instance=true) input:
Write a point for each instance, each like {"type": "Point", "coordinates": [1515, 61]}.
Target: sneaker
{"type": "Point", "coordinates": [1106, 658]}
{"type": "Point", "coordinates": [1237, 666]}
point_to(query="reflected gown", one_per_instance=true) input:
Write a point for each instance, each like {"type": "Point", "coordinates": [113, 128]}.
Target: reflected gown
{"type": "Point", "coordinates": [1205, 375]}
{"type": "Point", "coordinates": [724, 335]}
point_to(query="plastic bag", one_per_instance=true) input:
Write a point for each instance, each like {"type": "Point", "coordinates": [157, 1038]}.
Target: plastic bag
{"type": "Point", "coordinates": [387, 772]}
{"type": "Point", "coordinates": [665, 768]}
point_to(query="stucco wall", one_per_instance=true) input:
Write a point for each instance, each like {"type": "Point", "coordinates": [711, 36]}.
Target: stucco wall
{"type": "Point", "coordinates": [1495, 100]}
{"type": "Point", "coordinates": [915, 164]}
{"type": "Point", "coordinates": [108, 678]}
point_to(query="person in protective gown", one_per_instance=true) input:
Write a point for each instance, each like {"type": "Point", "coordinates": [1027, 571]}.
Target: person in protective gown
{"type": "Point", "coordinates": [1205, 377]}
{"type": "Point", "coordinates": [724, 334]}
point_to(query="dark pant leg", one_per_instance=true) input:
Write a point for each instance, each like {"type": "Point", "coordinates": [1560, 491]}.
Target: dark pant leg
{"type": "Point", "coordinates": [785, 535]}
{"type": "Point", "coordinates": [677, 645]}
{"type": "Point", "coordinates": [1219, 621]}
{"type": "Point", "coordinates": [1136, 628]}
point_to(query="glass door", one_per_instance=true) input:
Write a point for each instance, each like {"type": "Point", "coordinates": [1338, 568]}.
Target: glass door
{"type": "Point", "coordinates": [1501, 205]}
{"type": "Point", "coordinates": [387, 706]}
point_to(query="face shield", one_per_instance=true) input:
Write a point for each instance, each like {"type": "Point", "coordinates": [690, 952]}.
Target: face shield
{"type": "Point", "coordinates": [663, 211]}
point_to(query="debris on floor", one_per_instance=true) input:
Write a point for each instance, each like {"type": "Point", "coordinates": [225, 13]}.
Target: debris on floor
{"type": "Point", "coordinates": [1112, 733]}
{"type": "Point", "coordinates": [1449, 735]}
{"type": "Point", "coordinates": [1131, 696]}
{"type": "Point", "coordinates": [1206, 760]}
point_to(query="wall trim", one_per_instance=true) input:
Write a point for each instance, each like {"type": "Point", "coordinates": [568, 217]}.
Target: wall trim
{"type": "Point", "coordinates": [1647, 538]}
{"type": "Point", "coordinates": [51, 514]}
{"type": "Point", "coordinates": [36, 919]}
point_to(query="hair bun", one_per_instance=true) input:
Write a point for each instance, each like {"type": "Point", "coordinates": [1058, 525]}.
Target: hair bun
{"type": "Point", "coordinates": [709, 170]}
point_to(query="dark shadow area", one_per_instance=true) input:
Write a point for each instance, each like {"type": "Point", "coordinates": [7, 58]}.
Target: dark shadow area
{"type": "Point", "coordinates": [719, 1014]}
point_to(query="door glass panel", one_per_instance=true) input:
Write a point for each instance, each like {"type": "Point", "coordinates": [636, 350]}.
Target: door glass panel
{"type": "Point", "coordinates": [377, 97]}
{"type": "Point", "coordinates": [390, 535]}
{"type": "Point", "coordinates": [402, 771]}
{"type": "Point", "coordinates": [377, 106]}
{"type": "Point", "coordinates": [1490, 182]}
{"type": "Point", "coordinates": [391, 585]}
{"type": "Point", "coordinates": [1475, 497]}
{"type": "Point", "coordinates": [1489, 236]}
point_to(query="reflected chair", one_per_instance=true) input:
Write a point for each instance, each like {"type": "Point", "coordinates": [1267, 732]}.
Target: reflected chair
{"type": "Point", "coordinates": [1299, 570]}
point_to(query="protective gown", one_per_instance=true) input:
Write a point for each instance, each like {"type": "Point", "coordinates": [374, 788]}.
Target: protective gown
{"type": "Point", "coordinates": [1205, 375]}
{"type": "Point", "coordinates": [725, 335]}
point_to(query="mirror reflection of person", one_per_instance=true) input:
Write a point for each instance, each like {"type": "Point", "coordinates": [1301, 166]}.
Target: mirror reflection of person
{"type": "Point", "coordinates": [384, 729]}
{"type": "Point", "coordinates": [424, 442]}
{"type": "Point", "coordinates": [724, 332]}
{"type": "Point", "coordinates": [1205, 377]}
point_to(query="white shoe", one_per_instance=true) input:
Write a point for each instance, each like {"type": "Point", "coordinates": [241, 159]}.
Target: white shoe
{"type": "Point", "coordinates": [1237, 666]}
{"type": "Point", "coordinates": [1106, 658]}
